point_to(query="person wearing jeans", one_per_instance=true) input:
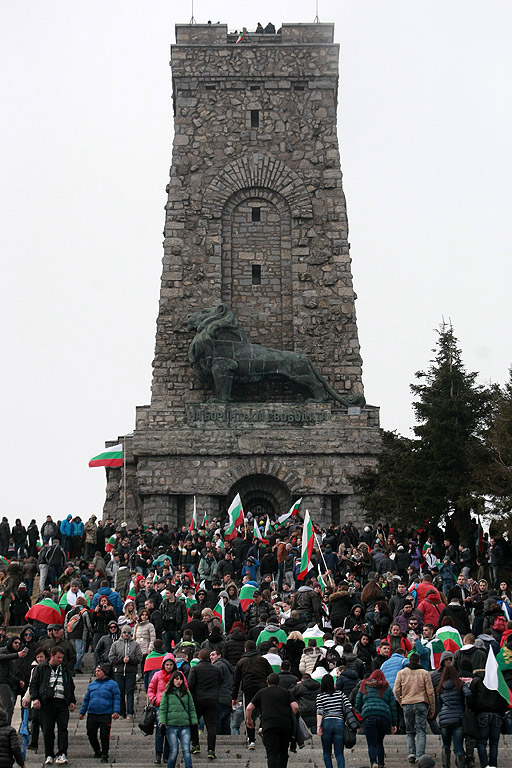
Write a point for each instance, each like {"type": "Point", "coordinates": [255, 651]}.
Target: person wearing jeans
{"type": "Point", "coordinates": [377, 706]}
{"type": "Point", "coordinates": [125, 656]}
{"type": "Point", "coordinates": [453, 694]}
{"type": "Point", "coordinates": [489, 707]}
{"type": "Point", "coordinates": [101, 702]}
{"type": "Point", "coordinates": [414, 692]}
{"type": "Point", "coordinates": [332, 709]}
{"type": "Point", "coordinates": [176, 715]}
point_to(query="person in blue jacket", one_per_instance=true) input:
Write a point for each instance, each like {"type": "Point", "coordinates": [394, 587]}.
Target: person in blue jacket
{"type": "Point", "coordinates": [101, 703]}
{"type": "Point", "coordinates": [113, 597]}
{"type": "Point", "coordinates": [65, 534]}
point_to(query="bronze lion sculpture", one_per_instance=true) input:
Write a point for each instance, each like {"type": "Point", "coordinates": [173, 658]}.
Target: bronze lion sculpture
{"type": "Point", "coordinates": [220, 354]}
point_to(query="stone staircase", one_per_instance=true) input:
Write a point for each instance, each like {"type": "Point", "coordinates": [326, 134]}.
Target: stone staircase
{"type": "Point", "coordinates": [129, 747]}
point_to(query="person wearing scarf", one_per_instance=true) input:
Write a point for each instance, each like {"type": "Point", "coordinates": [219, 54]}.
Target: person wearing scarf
{"type": "Point", "coordinates": [377, 706]}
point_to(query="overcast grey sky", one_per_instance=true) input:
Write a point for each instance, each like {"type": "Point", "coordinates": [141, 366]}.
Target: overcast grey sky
{"type": "Point", "coordinates": [85, 141]}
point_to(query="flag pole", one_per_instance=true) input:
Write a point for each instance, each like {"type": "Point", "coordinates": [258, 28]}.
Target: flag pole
{"type": "Point", "coordinates": [321, 554]}
{"type": "Point", "coordinates": [124, 479]}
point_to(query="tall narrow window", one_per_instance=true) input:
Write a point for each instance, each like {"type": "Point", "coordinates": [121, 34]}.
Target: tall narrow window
{"type": "Point", "coordinates": [255, 118]}
{"type": "Point", "coordinates": [256, 214]}
{"type": "Point", "coordinates": [256, 274]}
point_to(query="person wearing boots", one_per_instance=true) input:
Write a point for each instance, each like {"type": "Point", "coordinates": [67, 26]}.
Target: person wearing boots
{"type": "Point", "coordinates": [452, 693]}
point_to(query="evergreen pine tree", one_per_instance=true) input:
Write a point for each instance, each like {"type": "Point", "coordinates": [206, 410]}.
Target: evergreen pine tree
{"type": "Point", "coordinates": [499, 441]}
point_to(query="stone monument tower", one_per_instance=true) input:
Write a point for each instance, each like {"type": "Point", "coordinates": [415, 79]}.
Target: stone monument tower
{"type": "Point", "coordinates": [257, 382]}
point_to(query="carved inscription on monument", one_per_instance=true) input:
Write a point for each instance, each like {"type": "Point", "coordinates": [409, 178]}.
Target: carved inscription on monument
{"type": "Point", "coordinates": [253, 415]}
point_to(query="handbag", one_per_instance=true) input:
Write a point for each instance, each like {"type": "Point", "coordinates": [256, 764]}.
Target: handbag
{"type": "Point", "coordinates": [470, 724]}
{"type": "Point", "coordinates": [148, 719]}
{"type": "Point", "coordinates": [303, 732]}
{"type": "Point", "coordinates": [350, 734]}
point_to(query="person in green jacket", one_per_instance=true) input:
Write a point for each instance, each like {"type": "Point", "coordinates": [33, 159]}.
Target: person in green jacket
{"type": "Point", "coordinates": [377, 706]}
{"type": "Point", "coordinates": [175, 716]}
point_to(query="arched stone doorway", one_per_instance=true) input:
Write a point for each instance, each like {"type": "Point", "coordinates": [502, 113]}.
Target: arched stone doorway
{"type": "Point", "coordinates": [262, 495]}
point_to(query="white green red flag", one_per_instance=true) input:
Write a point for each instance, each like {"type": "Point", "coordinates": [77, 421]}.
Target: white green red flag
{"type": "Point", "coordinates": [110, 457]}
{"type": "Point", "coordinates": [268, 528]}
{"type": "Point", "coordinates": [193, 522]}
{"type": "Point", "coordinates": [110, 544]}
{"type": "Point", "coordinates": [294, 510]}
{"type": "Point", "coordinates": [235, 518]}
{"type": "Point", "coordinates": [308, 538]}
{"type": "Point", "coordinates": [131, 594]}
{"type": "Point", "coordinates": [218, 611]}
{"type": "Point", "coordinates": [436, 648]}
{"type": "Point", "coordinates": [246, 596]}
{"type": "Point", "coordinates": [321, 581]}
{"type": "Point", "coordinates": [314, 633]}
{"type": "Point", "coordinates": [257, 533]}
{"type": "Point", "coordinates": [493, 678]}
{"type": "Point", "coordinates": [205, 521]}
{"type": "Point", "coordinates": [241, 36]}
{"type": "Point", "coordinates": [450, 638]}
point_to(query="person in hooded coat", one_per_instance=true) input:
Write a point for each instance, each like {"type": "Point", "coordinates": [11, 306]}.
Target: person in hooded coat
{"type": "Point", "coordinates": [156, 689]}
{"type": "Point", "coordinates": [10, 750]}
{"type": "Point", "coordinates": [377, 706]}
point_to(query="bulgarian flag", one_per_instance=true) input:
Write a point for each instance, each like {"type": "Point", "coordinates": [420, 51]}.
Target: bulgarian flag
{"type": "Point", "coordinates": [3, 560]}
{"type": "Point", "coordinates": [294, 510]}
{"type": "Point", "coordinates": [193, 522]}
{"type": "Point", "coordinates": [110, 457]}
{"type": "Point", "coordinates": [153, 661]}
{"type": "Point", "coordinates": [308, 538]}
{"type": "Point", "coordinates": [218, 611]}
{"type": "Point", "coordinates": [235, 516]}
{"type": "Point", "coordinates": [47, 612]}
{"type": "Point", "coordinates": [321, 581]}
{"type": "Point", "coordinates": [493, 678]}
{"type": "Point", "coordinates": [257, 533]}
{"type": "Point", "coordinates": [436, 648]}
{"type": "Point", "coordinates": [246, 596]}
{"type": "Point", "coordinates": [205, 521]}
{"type": "Point", "coordinates": [268, 527]}
{"type": "Point", "coordinates": [450, 638]}
{"type": "Point", "coordinates": [131, 594]}
{"type": "Point", "coordinates": [241, 36]}
{"type": "Point", "coordinates": [110, 544]}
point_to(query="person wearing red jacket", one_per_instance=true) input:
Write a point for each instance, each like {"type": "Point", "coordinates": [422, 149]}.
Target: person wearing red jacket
{"type": "Point", "coordinates": [431, 608]}
{"type": "Point", "coordinates": [156, 688]}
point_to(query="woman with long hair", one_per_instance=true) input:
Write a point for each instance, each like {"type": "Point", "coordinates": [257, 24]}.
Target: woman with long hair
{"type": "Point", "coordinates": [333, 710]}
{"type": "Point", "coordinates": [452, 693]}
{"type": "Point", "coordinates": [175, 716]}
{"type": "Point", "coordinates": [377, 706]}
{"type": "Point", "coordinates": [129, 614]}
{"type": "Point", "coordinates": [156, 689]}
{"type": "Point", "coordinates": [145, 635]}
{"type": "Point", "coordinates": [101, 617]}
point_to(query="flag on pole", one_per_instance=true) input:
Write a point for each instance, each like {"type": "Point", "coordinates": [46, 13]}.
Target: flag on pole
{"type": "Point", "coordinates": [321, 580]}
{"type": "Point", "coordinates": [294, 510]}
{"type": "Point", "coordinates": [246, 596]}
{"type": "Point", "coordinates": [235, 518]}
{"type": "Point", "coordinates": [205, 521]}
{"type": "Point", "coordinates": [493, 678]}
{"type": "Point", "coordinates": [268, 528]}
{"type": "Point", "coordinates": [257, 533]}
{"type": "Point", "coordinates": [193, 522]}
{"type": "Point", "coordinates": [218, 611]}
{"type": "Point", "coordinates": [307, 546]}
{"type": "Point", "coordinates": [241, 36]}
{"type": "Point", "coordinates": [110, 544]}
{"type": "Point", "coordinates": [110, 457]}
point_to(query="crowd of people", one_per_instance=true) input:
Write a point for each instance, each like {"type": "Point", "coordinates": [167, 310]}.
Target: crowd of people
{"type": "Point", "coordinates": [388, 632]}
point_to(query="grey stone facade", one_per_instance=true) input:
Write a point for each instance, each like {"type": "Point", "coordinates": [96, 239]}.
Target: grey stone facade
{"type": "Point", "coordinates": [255, 218]}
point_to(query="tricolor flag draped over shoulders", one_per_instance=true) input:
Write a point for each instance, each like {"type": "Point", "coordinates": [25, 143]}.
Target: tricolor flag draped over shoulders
{"type": "Point", "coordinates": [294, 510]}
{"type": "Point", "coordinates": [450, 638]}
{"type": "Point", "coordinates": [308, 537]}
{"type": "Point", "coordinates": [436, 648]}
{"type": "Point", "coordinates": [47, 612]}
{"type": "Point", "coordinates": [110, 457]}
{"type": "Point", "coordinates": [493, 678]}
{"type": "Point", "coordinates": [235, 518]}
{"type": "Point", "coordinates": [218, 611]}
{"type": "Point", "coordinates": [246, 596]}
{"type": "Point", "coordinates": [110, 543]}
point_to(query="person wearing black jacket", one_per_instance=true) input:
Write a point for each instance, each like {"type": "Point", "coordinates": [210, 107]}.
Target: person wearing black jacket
{"type": "Point", "coordinates": [204, 683]}
{"type": "Point", "coordinates": [489, 707]}
{"type": "Point", "coordinates": [174, 616]}
{"type": "Point", "coordinates": [251, 674]}
{"type": "Point", "coordinates": [10, 749]}
{"type": "Point", "coordinates": [456, 613]}
{"type": "Point", "coordinates": [9, 676]}
{"type": "Point", "coordinates": [52, 692]}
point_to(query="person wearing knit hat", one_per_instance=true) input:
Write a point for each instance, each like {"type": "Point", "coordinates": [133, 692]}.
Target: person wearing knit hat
{"type": "Point", "coordinates": [102, 704]}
